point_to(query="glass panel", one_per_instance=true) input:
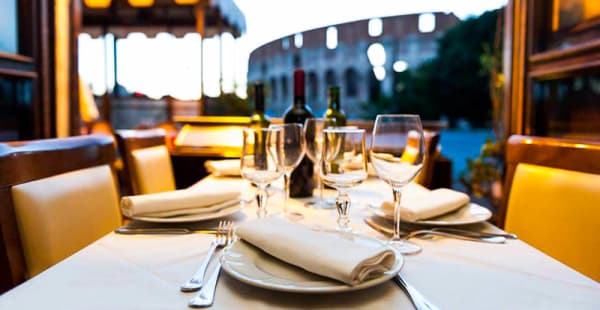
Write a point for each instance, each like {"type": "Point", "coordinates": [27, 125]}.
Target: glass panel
{"type": "Point", "coordinates": [8, 26]}
{"type": "Point", "coordinates": [16, 112]}
{"type": "Point", "coordinates": [568, 107]}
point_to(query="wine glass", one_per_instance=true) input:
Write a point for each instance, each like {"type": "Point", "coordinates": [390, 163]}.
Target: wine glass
{"type": "Point", "coordinates": [343, 165]}
{"type": "Point", "coordinates": [313, 134]}
{"type": "Point", "coordinates": [259, 162]}
{"type": "Point", "coordinates": [290, 151]}
{"type": "Point", "coordinates": [397, 154]}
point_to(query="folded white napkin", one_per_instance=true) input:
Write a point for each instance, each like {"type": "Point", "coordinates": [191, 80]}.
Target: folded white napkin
{"type": "Point", "coordinates": [226, 167]}
{"type": "Point", "coordinates": [325, 253]}
{"type": "Point", "coordinates": [418, 203]}
{"type": "Point", "coordinates": [179, 202]}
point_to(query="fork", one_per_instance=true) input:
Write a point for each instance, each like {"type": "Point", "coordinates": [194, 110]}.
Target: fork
{"type": "Point", "coordinates": [221, 239]}
{"type": "Point", "coordinates": [415, 297]}
{"type": "Point", "coordinates": [206, 295]}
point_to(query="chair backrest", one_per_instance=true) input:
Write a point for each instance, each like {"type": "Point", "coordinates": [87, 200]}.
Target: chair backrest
{"type": "Point", "coordinates": [425, 177]}
{"type": "Point", "coordinates": [146, 161]}
{"type": "Point", "coordinates": [553, 199]}
{"type": "Point", "coordinates": [56, 196]}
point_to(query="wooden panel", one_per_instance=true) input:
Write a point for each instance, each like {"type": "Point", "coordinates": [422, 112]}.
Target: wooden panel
{"type": "Point", "coordinates": [21, 162]}
{"type": "Point", "coordinates": [549, 152]}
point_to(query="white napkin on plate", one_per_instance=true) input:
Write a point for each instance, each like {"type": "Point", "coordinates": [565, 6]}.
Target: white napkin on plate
{"type": "Point", "coordinates": [325, 253]}
{"type": "Point", "coordinates": [179, 202]}
{"type": "Point", "coordinates": [421, 203]}
{"type": "Point", "coordinates": [225, 167]}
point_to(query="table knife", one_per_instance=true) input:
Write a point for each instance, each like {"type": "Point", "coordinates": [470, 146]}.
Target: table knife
{"type": "Point", "coordinates": [162, 231]}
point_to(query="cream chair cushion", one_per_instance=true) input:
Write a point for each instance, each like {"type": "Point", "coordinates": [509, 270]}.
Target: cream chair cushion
{"type": "Point", "coordinates": [558, 212]}
{"type": "Point", "coordinates": [153, 170]}
{"type": "Point", "coordinates": [59, 215]}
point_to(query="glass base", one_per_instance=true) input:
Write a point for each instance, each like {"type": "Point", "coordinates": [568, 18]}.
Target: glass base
{"type": "Point", "coordinates": [293, 216]}
{"type": "Point", "coordinates": [404, 247]}
{"type": "Point", "coordinates": [320, 204]}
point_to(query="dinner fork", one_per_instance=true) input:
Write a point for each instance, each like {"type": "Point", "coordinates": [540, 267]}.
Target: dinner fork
{"type": "Point", "coordinates": [206, 296]}
{"type": "Point", "coordinates": [221, 239]}
{"type": "Point", "coordinates": [415, 297]}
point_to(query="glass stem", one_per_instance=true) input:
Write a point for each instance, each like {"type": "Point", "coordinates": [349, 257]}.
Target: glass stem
{"type": "Point", "coordinates": [286, 187]}
{"type": "Point", "coordinates": [342, 203]}
{"type": "Point", "coordinates": [261, 201]}
{"type": "Point", "coordinates": [319, 183]}
{"type": "Point", "coordinates": [397, 196]}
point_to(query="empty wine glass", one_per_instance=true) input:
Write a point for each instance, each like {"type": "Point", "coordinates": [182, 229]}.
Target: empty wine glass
{"type": "Point", "coordinates": [259, 162]}
{"type": "Point", "coordinates": [397, 154]}
{"type": "Point", "coordinates": [290, 151]}
{"type": "Point", "coordinates": [313, 134]}
{"type": "Point", "coordinates": [343, 165]}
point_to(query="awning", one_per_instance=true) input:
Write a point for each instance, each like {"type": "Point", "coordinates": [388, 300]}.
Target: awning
{"type": "Point", "coordinates": [214, 16]}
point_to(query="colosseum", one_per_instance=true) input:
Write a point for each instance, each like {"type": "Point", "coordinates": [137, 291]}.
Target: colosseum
{"type": "Point", "coordinates": [359, 56]}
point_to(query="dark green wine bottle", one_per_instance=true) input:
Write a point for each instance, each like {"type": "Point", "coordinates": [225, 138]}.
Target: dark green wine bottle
{"type": "Point", "coordinates": [301, 180]}
{"type": "Point", "coordinates": [334, 115]}
{"type": "Point", "coordinates": [258, 118]}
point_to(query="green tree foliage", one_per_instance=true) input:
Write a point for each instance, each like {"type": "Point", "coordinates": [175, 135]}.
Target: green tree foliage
{"type": "Point", "coordinates": [455, 83]}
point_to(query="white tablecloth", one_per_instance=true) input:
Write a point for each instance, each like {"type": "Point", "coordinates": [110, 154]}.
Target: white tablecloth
{"type": "Point", "coordinates": [145, 271]}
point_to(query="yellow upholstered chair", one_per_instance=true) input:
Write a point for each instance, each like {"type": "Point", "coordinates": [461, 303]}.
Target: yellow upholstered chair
{"type": "Point", "coordinates": [553, 199]}
{"type": "Point", "coordinates": [147, 162]}
{"type": "Point", "coordinates": [56, 197]}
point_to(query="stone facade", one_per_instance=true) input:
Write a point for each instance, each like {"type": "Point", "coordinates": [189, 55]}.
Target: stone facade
{"type": "Point", "coordinates": [346, 65]}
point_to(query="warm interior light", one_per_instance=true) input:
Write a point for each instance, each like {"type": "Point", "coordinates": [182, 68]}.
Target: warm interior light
{"type": "Point", "coordinates": [400, 66]}
{"type": "Point", "coordinates": [186, 2]}
{"type": "Point", "coordinates": [379, 72]}
{"type": "Point", "coordinates": [97, 4]}
{"type": "Point", "coordinates": [141, 3]}
{"type": "Point", "coordinates": [376, 54]}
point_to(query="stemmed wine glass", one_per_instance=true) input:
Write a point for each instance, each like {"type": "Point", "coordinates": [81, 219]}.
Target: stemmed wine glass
{"type": "Point", "coordinates": [313, 134]}
{"type": "Point", "coordinates": [343, 165]}
{"type": "Point", "coordinates": [397, 154]}
{"type": "Point", "coordinates": [290, 151]}
{"type": "Point", "coordinates": [259, 162]}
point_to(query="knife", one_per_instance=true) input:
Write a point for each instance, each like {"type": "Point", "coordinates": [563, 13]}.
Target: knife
{"type": "Point", "coordinates": [162, 231]}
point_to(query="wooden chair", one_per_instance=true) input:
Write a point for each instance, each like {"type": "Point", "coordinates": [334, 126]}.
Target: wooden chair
{"type": "Point", "coordinates": [146, 161]}
{"type": "Point", "coordinates": [56, 197]}
{"type": "Point", "coordinates": [552, 199]}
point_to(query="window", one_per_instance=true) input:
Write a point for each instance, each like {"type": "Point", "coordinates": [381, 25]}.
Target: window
{"type": "Point", "coordinates": [426, 22]}
{"type": "Point", "coordinates": [297, 61]}
{"type": "Point", "coordinates": [284, 88]}
{"type": "Point", "coordinates": [273, 89]}
{"type": "Point", "coordinates": [313, 86]}
{"type": "Point", "coordinates": [298, 40]}
{"type": "Point", "coordinates": [331, 38]}
{"type": "Point", "coordinates": [330, 79]}
{"type": "Point", "coordinates": [375, 27]}
{"type": "Point", "coordinates": [285, 43]}
{"type": "Point", "coordinates": [351, 82]}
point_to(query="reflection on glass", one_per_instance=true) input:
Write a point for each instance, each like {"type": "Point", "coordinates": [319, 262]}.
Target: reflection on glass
{"type": "Point", "coordinates": [259, 162]}
{"type": "Point", "coordinates": [343, 165]}
{"type": "Point", "coordinates": [397, 154]}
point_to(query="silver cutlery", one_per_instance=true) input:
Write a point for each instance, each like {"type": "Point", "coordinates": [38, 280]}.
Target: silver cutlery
{"type": "Point", "coordinates": [475, 233]}
{"type": "Point", "coordinates": [162, 231]}
{"type": "Point", "coordinates": [415, 297]}
{"type": "Point", "coordinates": [221, 239]}
{"type": "Point", "coordinates": [206, 296]}
{"type": "Point", "coordinates": [430, 232]}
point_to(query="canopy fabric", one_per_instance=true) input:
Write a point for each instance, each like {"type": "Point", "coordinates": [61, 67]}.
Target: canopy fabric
{"type": "Point", "coordinates": [164, 16]}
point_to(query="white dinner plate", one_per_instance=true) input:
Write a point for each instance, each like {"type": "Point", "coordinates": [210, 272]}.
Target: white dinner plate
{"type": "Point", "coordinates": [469, 214]}
{"type": "Point", "coordinates": [251, 265]}
{"type": "Point", "coordinates": [192, 217]}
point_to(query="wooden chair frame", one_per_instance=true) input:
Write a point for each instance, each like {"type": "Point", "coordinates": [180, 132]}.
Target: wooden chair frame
{"type": "Point", "coordinates": [131, 140]}
{"type": "Point", "coordinates": [22, 162]}
{"type": "Point", "coordinates": [549, 152]}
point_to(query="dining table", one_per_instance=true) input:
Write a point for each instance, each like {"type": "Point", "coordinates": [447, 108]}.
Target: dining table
{"type": "Point", "coordinates": [144, 271]}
